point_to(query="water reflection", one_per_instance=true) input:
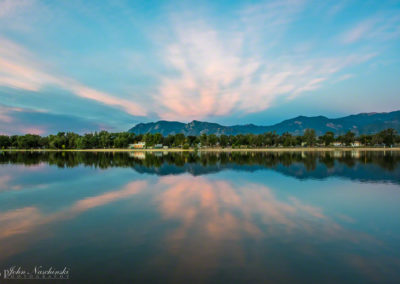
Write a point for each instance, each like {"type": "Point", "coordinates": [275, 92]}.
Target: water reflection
{"type": "Point", "coordinates": [222, 217]}
{"type": "Point", "coordinates": [357, 165]}
{"type": "Point", "coordinates": [247, 226]}
{"type": "Point", "coordinates": [29, 220]}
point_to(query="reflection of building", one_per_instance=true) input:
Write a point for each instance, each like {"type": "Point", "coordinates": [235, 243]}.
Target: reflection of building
{"type": "Point", "coordinates": [139, 145]}
{"type": "Point", "coordinates": [138, 155]}
{"type": "Point", "coordinates": [355, 154]}
{"type": "Point", "coordinates": [337, 154]}
{"type": "Point", "coordinates": [356, 144]}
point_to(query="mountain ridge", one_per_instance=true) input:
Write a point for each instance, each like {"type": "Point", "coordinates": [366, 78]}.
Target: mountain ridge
{"type": "Point", "coordinates": [361, 123]}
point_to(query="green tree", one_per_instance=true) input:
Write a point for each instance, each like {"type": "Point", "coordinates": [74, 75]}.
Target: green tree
{"type": "Point", "coordinates": [349, 138]}
{"type": "Point", "coordinates": [223, 140]}
{"type": "Point", "coordinates": [5, 141]}
{"type": "Point", "coordinates": [179, 139]}
{"type": "Point", "coordinates": [203, 139]}
{"type": "Point", "coordinates": [309, 137]}
{"type": "Point", "coordinates": [388, 136]}
{"type": "Point", "coordinates": [158, 138]}
{"type": "Point", "coordinates": [149, 139]}
{"type": "Point", "coordinates": [104, 139]}
{"type": "Point", "coordinates": [212, 140]}
{"type": "Point", "coordinates": [328, 138]}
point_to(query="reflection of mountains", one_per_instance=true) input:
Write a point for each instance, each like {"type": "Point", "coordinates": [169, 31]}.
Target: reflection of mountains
{"type": "Point", "coordinates": [354, 165]}
{"type": "Point", "coordinates": [361, 172]}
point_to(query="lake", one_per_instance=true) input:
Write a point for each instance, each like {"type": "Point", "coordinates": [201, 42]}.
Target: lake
{"type": "Point", "coordinates": [135, 217]}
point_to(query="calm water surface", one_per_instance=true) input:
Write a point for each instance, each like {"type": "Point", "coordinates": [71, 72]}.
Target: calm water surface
{"type": "Point", "coordinates": [203, 218]}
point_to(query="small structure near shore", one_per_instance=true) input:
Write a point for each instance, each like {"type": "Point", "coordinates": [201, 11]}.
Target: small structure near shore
{"type": "Point", "coordinates": [139, 145]}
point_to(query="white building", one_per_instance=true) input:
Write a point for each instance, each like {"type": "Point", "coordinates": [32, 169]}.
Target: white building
{"type": "Point", "coordinates": [139, 145]}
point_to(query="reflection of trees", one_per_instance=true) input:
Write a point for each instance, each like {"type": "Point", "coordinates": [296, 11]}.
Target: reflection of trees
{"type": "Point", "coordinates": [386, 160]}
{"type": "Point", "coordinates": [327, 160]}
{"type": "Point", "coordinates": [310, 161]}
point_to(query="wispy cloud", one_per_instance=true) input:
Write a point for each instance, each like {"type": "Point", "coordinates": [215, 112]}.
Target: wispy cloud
{"type": "Point", "coordinates": [344, 77]}
{"type": "Point", "coordinates": [213, 74]}
{"type": "Point", "coordinates": [19, 69]}
{"type": "Point", "coordinates": [358, 32]}
{"type": "Point", "coordinates": [384, 27]}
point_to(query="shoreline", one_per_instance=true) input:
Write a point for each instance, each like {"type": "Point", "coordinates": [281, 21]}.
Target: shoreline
{"type": "Point", "coordinates": [294, 149]}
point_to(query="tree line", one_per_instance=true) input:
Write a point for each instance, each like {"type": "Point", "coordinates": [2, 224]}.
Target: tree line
{"type": "Point", "coordinates": [107, 140]}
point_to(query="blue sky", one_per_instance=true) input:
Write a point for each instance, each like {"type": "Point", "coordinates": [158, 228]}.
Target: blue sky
{"type": "Point", "coordinates": [89, 65]}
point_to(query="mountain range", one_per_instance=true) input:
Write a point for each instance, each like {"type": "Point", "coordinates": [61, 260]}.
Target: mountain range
{"type": "Point", "coordinates": [363, 123]}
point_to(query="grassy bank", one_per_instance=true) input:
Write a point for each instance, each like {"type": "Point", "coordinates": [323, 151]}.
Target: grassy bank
{"type": "Point", "coordinates": [290, 149]}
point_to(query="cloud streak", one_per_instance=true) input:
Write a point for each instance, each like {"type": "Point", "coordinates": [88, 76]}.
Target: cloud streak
{"type": "Point", "coordinates": [378, 28]}
{"type": "Point", "coordinates": [19, 70]}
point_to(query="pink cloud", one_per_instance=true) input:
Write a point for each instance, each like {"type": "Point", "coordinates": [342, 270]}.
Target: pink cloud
{"type": "Point", "coordinates": [128, 106]}
{"type": "Point", "coordinates": [221, 210]}
{"type": "Point", "coordinates": [33, 130]}
{"type": "Point", "coordinates": [19, 70]}
{"type": "Point", "coordinates": [100, 200]}
{"type": "Point", "coordinates": [211, 75]}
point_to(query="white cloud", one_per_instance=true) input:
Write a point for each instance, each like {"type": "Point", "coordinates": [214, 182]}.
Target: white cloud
{"type": "Point", "coordinates": [358, 32]}
{"type": "Point", "coordinates": [382, 28]}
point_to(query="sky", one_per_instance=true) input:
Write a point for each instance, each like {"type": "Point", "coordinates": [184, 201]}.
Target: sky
{"type": "Point", "coordinates": [84, 66]}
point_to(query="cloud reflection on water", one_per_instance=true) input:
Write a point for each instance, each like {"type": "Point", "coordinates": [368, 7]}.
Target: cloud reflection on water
{"type": "Point", "coordinates": [23, 226]}
{"type": "Point", "coordinates": [223, 222]}
{"type": "Point", "coordinates": [206, 222]}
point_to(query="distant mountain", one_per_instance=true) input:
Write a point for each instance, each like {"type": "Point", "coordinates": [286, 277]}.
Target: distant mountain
{"type": "Point", "coordinates": [363, 123]}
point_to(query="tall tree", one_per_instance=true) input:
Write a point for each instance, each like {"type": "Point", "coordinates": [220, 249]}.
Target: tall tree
{"type": "Point", "coordinates": [309, 137]}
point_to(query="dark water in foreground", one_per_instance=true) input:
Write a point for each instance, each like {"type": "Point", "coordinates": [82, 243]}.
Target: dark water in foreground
{"type": "Point", "coordinates": [203, 218]}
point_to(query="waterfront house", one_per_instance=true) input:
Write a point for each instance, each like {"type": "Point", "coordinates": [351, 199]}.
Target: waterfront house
{"type": "Point", "coordinates": [139, 145]}
{"type": "Point", "coordinates": [356, 144]}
